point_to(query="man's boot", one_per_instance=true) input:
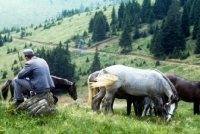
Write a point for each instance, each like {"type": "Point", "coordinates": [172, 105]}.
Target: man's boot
{"type": "Point", "coordinates": [17, 103]}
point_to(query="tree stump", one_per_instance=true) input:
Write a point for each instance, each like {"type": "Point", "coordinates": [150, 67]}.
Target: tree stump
{"type": "Point", "coordinates": [40, 104]}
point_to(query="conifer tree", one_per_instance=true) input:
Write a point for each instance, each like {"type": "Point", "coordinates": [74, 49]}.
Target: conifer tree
{"type": "Point", "coordinates": [125, 39]}
{"type": "Point", "coordinates": [185, 22]}
{"type": "Point", "coordinates": [10, 40]}
{"type": "Point", "coordinates": [100, 27]}
{"type": "Point", "coordinates": [8, 51]}
{"type": "Point", "coordinates": [114, 22]}
{"type": "Point", "coordinates": [121, 11]}
{"type": "Point", "coordinates": [4, 74]}
{"type": "Point", "coordinates": [182, 2]}
{"type": "Point", "coordinates": [159, 9]}
{"type": "Point", "coordinates": [59, 61]}
{"type": "Point", "coordinates": [91, 25]}
{"type": "Point", "coordinates": [196, 18]}
{"type": "Point", "coordinates": [151, 17]}
{"type": "Point", "coordinates": [151, 29]}
{"type": "Point", "coordinates": [113, 17]}
{"type": "Point", "coordinates": [96, 65]}
{"type": "Point", "coordinates": [136, 33]}
{"type": "Point", "coordinates": [172, 34]}
{"type": "Point", "coordinates": [197, 49]}
{"type": "Point", "coordinates": [1, 42]}
{"type": "Point", "coordinates": [5, 38]}
{"type": "Point", "coordinates": [145, 10]}
{"type": "Point", "coordinates": [156, 44]}
{"type": "Point", "coordinates": [87, 60]}
{"type": "Point", "coordinates": [191, 5]}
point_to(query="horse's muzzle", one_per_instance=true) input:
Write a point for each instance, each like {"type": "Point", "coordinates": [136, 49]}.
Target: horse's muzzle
{"type": "Point", "coordinates": [168, 119]}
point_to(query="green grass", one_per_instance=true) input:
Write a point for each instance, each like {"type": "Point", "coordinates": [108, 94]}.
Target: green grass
{"type": "Point", "coordinates": [77, 119]}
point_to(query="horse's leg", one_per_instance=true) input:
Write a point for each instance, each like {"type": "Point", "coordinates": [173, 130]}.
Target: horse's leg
{"type": "Point", "coordinates": [135, 106]}
{"type": "Point", "coordinates": [196, 107]}
{"type": "Point", "coordinates": [98, 97]}
{"type": "Point", "coordinates": [11, 92]}
{"type": "Point", "coordinates": [137, 102]}
{"type": "Point", "coordinates": [99, 103]}
{"type": "Point", "coordinates": [55, 99]}
{"type": "Point", "coordinates": [103, 106]}
{"type": "Point", "coordinates": [96, 101]}
{"type": "Point", "coordinates": [108, 101]}
{"type": "Point", "coordinates": [147, 107]}
{"type": "Point", "coordinates": [129, 102]}
{"type": "Point", "coordinates": [158, 103]}
{"type": "Point", "coordinates": [140, 105]}
{"type": "Point", "coordinates": [112, 103]}
{"type": "Point", "coordinates": [155, 111]}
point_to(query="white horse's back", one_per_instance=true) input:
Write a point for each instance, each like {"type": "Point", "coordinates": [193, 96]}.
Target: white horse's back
{"type": "Point", "coordinates": [135, 81]}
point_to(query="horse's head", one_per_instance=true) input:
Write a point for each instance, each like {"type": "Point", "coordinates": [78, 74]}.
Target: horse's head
{"type": "Point", "coordinates": [169, 108]}
{"type": "Point", "coordinates": [72, 91]}
{"type": "Point", "coordinates": [5, 88]}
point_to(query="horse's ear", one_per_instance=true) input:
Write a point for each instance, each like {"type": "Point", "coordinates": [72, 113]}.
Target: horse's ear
{"type": "Point", "coordinates": [178, 98]}
{"type": "Point", "coordinates": [172, 96]}
{"type": "Point", "coordinates": [104, 71]}
{"type": "Point", "coordinates": [175, 98]}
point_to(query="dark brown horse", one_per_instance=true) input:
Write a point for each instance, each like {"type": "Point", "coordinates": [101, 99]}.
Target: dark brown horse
{"type": "Point", "coordinates": [188, 90]}
{"type": "Point", "coordinates": [59, 83]}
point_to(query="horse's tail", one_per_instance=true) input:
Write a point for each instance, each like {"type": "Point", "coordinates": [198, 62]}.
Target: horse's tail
{"type": "Point", "coordinates": [90, 94]}
{"type": "Point", "coordinates": [104, 80]}
{"type": "Point", "coordinates": [92, 91]}
{"type": "Point", "coordinates": [5, 88]}
{"type": "Point", "coordinates": [170, 83]}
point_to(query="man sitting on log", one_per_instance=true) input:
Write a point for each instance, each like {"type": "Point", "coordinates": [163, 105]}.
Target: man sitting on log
{"type": "Point", "coordinates": [35, 76]}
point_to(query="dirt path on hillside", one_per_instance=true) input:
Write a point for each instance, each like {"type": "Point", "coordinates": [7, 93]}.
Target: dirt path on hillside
{"type": "Point", "coordinates": [102, 45]}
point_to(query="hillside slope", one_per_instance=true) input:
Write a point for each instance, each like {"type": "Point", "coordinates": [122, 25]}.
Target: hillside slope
{"type": "Point", "coordinates": [22, 13]}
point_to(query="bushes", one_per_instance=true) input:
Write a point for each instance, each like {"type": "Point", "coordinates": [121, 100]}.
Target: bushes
{"type": "Point", "coordinates": [179, 55]}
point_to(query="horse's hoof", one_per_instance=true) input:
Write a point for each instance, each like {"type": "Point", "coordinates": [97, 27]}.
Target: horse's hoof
{"type": "Point", "coordinates": [103, 113]}
{"type": "Point", "coordinates": [95, 112]}
{"type": "Point", "coordinates": [110, 114]}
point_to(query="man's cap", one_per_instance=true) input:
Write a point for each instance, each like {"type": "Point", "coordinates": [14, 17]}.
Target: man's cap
{"type": "Point", "coordinates": [28, 52]}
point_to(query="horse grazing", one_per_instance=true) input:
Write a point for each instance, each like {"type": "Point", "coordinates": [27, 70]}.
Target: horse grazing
{"type": "Point", "coordinates": [59, 83]}
{"type": "Point", "coordinates": [137, 101]}
{"type": "Point", "coordinates": [137, 82]}
{"type": "Point", "coordinates": [188, 90]}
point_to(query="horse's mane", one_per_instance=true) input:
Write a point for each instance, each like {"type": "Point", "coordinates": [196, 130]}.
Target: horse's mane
{"type": "Point", "coordinates": [170, 83]}
{"type": "Point", "coordinates": [60, 81]}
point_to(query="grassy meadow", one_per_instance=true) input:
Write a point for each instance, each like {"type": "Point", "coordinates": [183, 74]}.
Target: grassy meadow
{"type": "Point", "coordinates": [76, 117]}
